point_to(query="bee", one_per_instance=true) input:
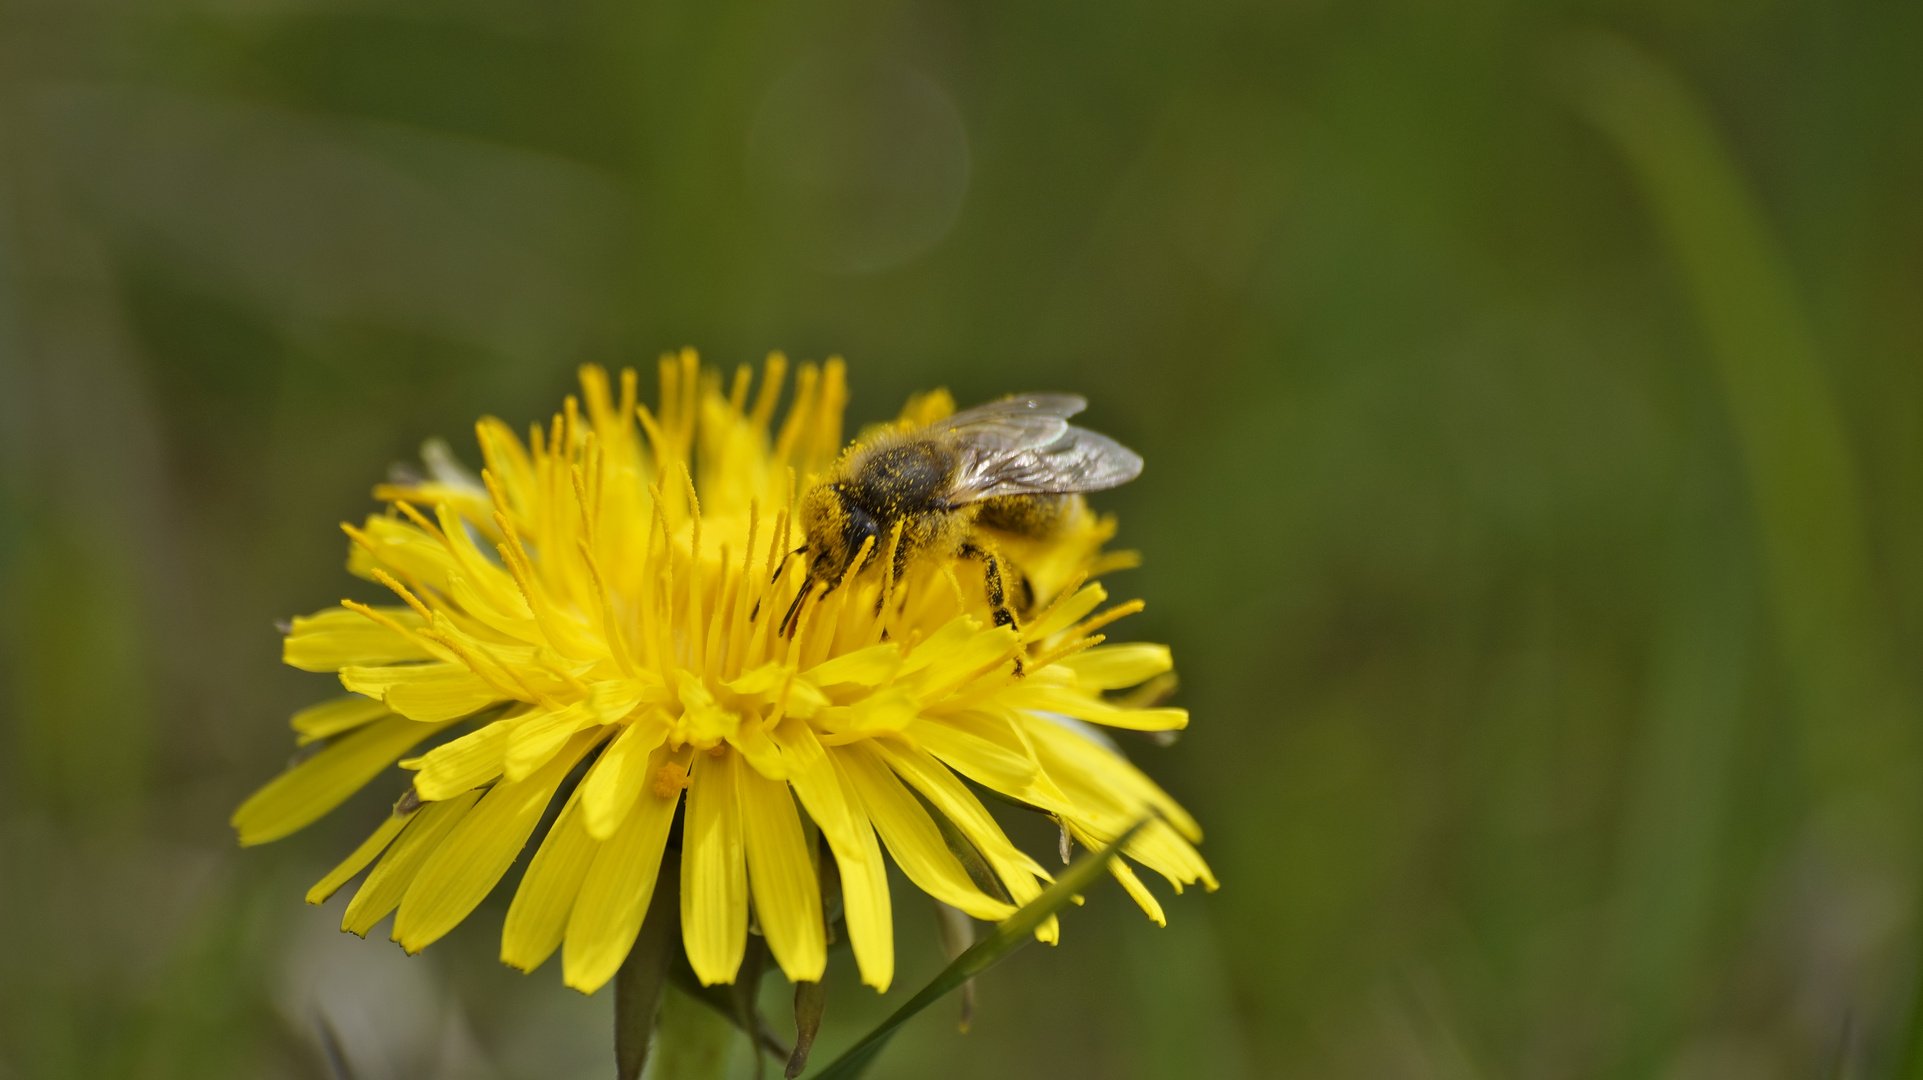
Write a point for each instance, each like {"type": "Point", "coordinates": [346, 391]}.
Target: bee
{"type": "Point", "coordinates": [1009, 465]}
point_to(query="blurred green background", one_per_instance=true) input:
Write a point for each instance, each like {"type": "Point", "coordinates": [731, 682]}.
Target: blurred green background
{"type": "Point", "coordinates": [1534, 417]}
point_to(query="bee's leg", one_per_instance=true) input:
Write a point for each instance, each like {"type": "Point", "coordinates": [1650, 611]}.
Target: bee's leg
{"type": "Point", "coordinates": [901, 558]}
{"type": "Point", "coordinates": [896, 569]}
{"type": "Point", "coordinates": [997, 589]}
{"type": "Point", "coordinates": [1025, 590]}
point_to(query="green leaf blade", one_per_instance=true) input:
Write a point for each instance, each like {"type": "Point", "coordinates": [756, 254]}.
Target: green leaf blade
{"type": "Point", "coordinates": [1010, 934]}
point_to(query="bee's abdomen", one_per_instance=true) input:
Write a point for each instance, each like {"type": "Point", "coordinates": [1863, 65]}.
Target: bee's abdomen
{"type": "Point", "coordinates": [903, 478]}
{"type": "Point", "coordinates": [1024, 515]}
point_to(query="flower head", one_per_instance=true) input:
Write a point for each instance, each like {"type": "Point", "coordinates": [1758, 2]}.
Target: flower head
{"type": "Point", "coordinates": [607, 595]}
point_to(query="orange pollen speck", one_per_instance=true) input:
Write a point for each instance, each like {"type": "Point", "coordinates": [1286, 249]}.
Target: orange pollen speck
{"type": "Point", "coordinates": [669, 781]}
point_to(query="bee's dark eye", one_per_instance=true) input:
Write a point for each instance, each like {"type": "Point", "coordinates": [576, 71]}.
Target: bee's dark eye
{"type": "Point", "coordinates": [861, 526]}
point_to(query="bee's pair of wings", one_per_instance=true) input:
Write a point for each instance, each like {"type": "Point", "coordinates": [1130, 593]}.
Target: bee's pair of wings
{"type": "Point", "coordinates": [1026, 446]}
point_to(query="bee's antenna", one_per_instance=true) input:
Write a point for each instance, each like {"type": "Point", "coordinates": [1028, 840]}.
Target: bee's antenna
{"type": "Point", "coordinates": [784, 563]}
{"type": "Point", "coordinates": [779, 568]}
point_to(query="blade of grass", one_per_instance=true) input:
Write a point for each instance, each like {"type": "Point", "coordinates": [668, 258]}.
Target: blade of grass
{"type": "Point", "coordinates": [1789, 428]}
{"type": "Point", "coordinates": [1010, 934]}
{"type": "Point", "coordinates": [1856, 706]}
{"type": "Point", "coordinates": [1676, 812]}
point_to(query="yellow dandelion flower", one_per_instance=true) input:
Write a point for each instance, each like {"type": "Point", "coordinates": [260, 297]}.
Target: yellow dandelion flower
{"type": "Point", "coordinates": [606, 595]}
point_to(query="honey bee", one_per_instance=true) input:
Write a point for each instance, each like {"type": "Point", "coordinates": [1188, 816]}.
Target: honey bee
{"type": "Point", "coordinates": [1009, 465]}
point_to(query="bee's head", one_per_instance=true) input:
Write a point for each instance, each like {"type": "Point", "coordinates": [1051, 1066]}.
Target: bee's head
{"type": "Point", "coordinates": [835, 526]}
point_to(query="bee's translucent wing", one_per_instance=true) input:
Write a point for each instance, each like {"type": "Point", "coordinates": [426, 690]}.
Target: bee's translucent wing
{"type": "Point", "coordinates": [1025, 446]}
{"type": "Point", "coordinates": [1016, 423]}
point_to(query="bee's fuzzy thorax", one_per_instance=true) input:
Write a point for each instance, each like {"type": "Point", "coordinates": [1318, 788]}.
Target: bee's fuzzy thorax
{"type": "Point", "coordinates": [894, 478]}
